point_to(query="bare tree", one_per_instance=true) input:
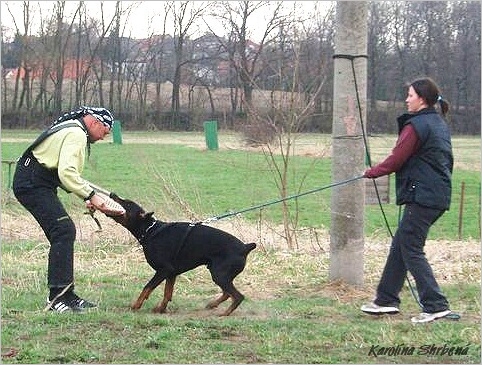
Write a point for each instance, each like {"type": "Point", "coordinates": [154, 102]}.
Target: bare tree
{"type": "Point", "coordinates": [403, 42]}
{"type": "Point", "coordinates": [406, 39]}
{"type": "Point", "coordinates": [466, 77]}
{"type": "Point", "coordinates": [157, 60]}
{"type": "Point", "coordinates": [379, 45]}
{"type": "Point", "coordinates": [186, 14]}
{"type": "Point", "coordinates": [317, 48]}
{"type": "Point", "coordinates": [17, 101]}
{"type": "Point", "coordinates": [276, 130]}
{"type": "Point", "coordinates": [286, 119]}
{"type": "Point", "coordinates": [90, 38]}
{"type": "Point", "coordinates": [244, 55]}
{"type": "Point", "coordinates": [60, 46]}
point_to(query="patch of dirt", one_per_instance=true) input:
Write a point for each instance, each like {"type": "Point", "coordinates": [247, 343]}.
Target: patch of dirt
{"type": "Point", "coordinates": [452, 261]}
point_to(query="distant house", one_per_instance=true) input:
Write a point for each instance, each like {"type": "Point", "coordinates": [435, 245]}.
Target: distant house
{"type": "Point", "coordinates": [213, 62]}
{"type": "Point", "coordinates": [73, 69]}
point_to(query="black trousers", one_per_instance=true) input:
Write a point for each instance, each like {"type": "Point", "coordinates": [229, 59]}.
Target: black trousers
{"type": "Point", "coordinates": [407, 254]}
{"type": "Point", "coordinates": [36, 189]}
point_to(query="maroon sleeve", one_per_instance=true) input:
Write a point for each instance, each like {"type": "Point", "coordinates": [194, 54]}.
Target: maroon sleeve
{"type": "Point", "coordinates": [407, 144]}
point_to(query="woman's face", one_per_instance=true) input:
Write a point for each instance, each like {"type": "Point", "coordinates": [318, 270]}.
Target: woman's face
{"type": "Point", "coordinates": [414, 102]}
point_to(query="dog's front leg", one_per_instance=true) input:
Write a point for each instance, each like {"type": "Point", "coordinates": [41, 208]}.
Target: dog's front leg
{"type": "Point", "coordinates": [168, 290]}
{"type": "Point", "coordinates": [158, 277]}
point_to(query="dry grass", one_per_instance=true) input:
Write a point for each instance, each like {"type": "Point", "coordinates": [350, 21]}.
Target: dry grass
{"type": "Point", "coordinates": [452, 261]}
{"type": "Point", "coordinates": [314, 145]}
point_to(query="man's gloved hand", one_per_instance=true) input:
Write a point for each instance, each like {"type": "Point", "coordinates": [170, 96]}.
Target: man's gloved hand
{"type": "Point", "coordinates": [104, 204]}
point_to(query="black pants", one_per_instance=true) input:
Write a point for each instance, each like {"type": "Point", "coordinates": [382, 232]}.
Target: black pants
{"type": "Point", "coordinates": [407, 254]}
{"type": "Point", "coordinates": [36, 189]}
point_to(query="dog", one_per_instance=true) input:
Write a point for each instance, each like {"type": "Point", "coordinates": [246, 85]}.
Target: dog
{"type": "Point", "coordinates": [172, 248]}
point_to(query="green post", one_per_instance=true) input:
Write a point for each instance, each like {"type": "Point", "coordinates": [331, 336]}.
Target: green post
{"type": "Point", "coordinates": [211, 134]}
{"type": "Point", "coordinates": [117, 132]}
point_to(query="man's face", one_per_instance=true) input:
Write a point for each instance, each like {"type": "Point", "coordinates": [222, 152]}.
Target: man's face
{"type": "Point", "coordinates": [97, 130]}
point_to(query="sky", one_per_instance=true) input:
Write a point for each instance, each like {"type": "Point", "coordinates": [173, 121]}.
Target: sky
{"type": "Point", "coordinates": [145, 17]}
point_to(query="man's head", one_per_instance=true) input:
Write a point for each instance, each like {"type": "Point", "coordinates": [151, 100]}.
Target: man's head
{"type": "Point", "coordinates": [101, 114]}
{"type": "Point", "coordinates": [96, 129]}
{"type": "Point", "coordinates": [98, 120]}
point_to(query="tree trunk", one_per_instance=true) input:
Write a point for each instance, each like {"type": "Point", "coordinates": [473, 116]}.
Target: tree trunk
{"type": "Point", "coordinates": [348, 200]}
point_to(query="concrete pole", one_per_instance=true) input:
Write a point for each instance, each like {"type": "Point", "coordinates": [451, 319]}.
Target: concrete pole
{"type": "Point", "coordinates": [348, 154]}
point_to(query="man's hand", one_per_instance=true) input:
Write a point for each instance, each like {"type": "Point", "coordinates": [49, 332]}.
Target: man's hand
{"type": "Point", "coordinates": [104, 204]}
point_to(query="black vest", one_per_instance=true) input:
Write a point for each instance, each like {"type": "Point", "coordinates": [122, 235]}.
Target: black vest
{"type": "Point", "coordinates": [426, 178]}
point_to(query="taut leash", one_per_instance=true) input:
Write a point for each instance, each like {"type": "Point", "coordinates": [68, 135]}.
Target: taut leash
{"type": "Point", "coordinates": [230, 214]}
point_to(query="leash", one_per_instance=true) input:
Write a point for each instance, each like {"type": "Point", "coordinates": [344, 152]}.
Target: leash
{"type": "Point", "coordinates": [230, 214]}
{"type": "Point", "coordinates": [91, 213]}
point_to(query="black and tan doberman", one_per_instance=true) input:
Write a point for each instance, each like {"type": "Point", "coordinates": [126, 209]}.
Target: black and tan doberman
{"type": "Point", "coordinates": [172, 248]}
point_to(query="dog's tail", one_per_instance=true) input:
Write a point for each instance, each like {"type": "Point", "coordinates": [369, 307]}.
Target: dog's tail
{"type": "Point", "coordinates": [248, 247]}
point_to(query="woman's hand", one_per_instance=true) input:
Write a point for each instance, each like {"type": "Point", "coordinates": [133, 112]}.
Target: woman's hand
{"type": "Point", "coordinates": [370, 174]}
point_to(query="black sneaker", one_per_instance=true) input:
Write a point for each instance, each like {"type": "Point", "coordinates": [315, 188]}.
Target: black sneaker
{"type": "Point", "coordinates": [77, 302]}
{"type": "Point", "coordinates": [60, 305]}
{"type": "Point", "coordinates": [69, 302]}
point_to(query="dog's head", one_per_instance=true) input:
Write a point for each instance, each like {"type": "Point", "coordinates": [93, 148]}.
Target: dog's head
{"type": "Point", "coordinates": [135, 219]}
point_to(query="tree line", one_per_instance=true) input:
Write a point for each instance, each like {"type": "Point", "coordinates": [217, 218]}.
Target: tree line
{"type": "Point", "coordinates": [77, 58]}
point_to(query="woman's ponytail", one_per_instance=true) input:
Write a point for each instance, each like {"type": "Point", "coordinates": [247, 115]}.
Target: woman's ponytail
{"type": "Point", "coordinates": [444, 105]}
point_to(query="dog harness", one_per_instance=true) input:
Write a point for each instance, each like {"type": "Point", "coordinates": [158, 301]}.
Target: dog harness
{"type": "Point", "coordinates": [157, 227]}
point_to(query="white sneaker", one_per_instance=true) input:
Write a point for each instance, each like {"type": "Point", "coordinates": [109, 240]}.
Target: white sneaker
{"type": "Point", "coordinates": [373, 308]}
{"type": "Point", "coordinates": [429, 317]}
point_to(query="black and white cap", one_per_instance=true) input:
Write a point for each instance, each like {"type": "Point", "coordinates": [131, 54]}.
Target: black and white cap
{"type": "Point", "coordinates": [101, 114]}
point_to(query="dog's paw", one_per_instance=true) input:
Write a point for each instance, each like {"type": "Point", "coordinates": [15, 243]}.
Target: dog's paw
{"type": "Point", "coordinates": [212, 305]}
{"type": "Point", "coordinates": [135, 307]}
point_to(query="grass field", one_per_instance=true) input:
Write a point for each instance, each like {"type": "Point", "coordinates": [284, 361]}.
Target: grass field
{"type": "Point", "coordinates": [292, 312]}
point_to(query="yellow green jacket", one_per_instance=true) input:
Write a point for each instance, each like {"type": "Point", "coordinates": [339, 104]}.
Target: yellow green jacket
{"type": "Point", "coordinates": [64, 151]}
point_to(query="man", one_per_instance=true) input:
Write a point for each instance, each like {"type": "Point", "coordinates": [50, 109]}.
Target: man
{"type": "Point", "coordinates": [56, 159]}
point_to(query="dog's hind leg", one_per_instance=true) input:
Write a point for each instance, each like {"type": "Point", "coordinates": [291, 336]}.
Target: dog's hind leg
{"type": "Point", "coordinates": [236, 298]}
{"type": "Point", "coordinates": [228, 291]}
{"type": "Point", "coordinates": [168, 290]}
{"type": "Point", "coordinates": [223, 274]}
{"type": "Point", "coordinates": [158, 277]}
{"type": "Point", "coordinates": [214, 303]}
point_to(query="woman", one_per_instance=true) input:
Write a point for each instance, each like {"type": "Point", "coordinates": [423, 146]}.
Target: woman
{"type": "Point", "coordinates": [423, 161]}
{"type": "Point", "coordinates": [56, 159]}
